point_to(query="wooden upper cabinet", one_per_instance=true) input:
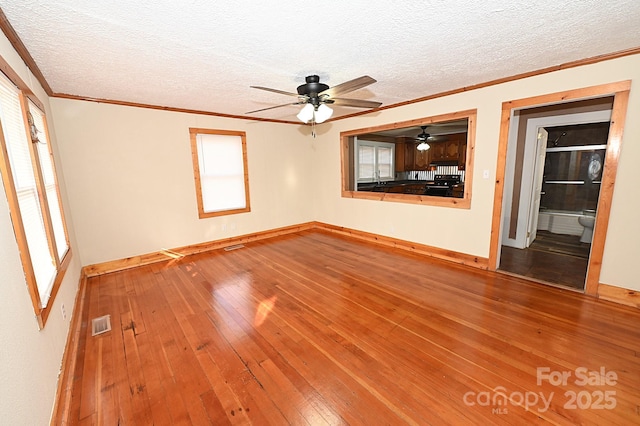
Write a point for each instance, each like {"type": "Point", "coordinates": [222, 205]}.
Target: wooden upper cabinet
{"type": "Point", "coordinates": [422, 159]}
{"type": "Point", "coordinates": [462, 159]}
{"type": "Point", "coordinates": [400, 157]}
{"type": "Point", "coordinates": [408, 158]}
{"type": "Point", "coordinates": [438, 151]}
{"type": "Point", "coordinates": [450, 149]}
{"type": "Point", "coordinates": [405, 154]}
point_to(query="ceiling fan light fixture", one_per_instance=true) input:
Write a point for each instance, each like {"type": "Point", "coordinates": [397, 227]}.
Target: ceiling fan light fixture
{"type": "Point", "coordinates": [316, 94]}
{"type": "Point", "coordinates": [423, 146]}
{"type": "Point", "coordinates": [323, 113]}
{"type": "Point", "coordinates": [423, 137]}
{"type": "Point", "coordinates": [306, 113]}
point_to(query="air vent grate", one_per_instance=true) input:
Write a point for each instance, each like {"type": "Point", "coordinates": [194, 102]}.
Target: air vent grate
{"type": "Point", "coordinates": [236, 247]}
{"type": "Point", "coordinates": [100, 325]}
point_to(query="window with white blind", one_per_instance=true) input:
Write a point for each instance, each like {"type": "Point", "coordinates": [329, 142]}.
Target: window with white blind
{"type": "Point", "coordinates": [374, 161]}
{"type": "Point", "coordinates": [29, 178]}
{"type": "Point", "coordinates": [220, 170]}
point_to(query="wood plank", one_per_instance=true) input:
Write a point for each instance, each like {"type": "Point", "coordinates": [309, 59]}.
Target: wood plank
{"type": "Point", "coordinates": [318, 328]}
{"type": "Point", "coordinates": [619, 295]}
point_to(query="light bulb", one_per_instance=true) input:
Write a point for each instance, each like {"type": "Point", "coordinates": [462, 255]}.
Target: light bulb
{"type": "Point", "coordinates": [323, 113]}
{"type": "Point", "coordinates": [306, 113]}
{"type": "Point", "coordinates": [423, 146]}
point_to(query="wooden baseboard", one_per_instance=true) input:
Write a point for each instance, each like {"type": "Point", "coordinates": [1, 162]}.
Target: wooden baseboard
{"type": "Point", "coordinates": [620, 295]}
{"type": "Point", "coordinates": [606, 292]}
{"type": "Point", "coordinates": [62, 406]}
{"type": "Point", "coordinates": [435, 252]}
{"type": "Point", "coordinates": [159, 256]}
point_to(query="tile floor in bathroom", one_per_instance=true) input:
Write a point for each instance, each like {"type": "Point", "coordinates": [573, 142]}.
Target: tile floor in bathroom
{"type": "Point", "coordinates": [554, 258]}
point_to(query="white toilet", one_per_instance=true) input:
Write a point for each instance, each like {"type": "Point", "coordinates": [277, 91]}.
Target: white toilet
{"type": "Point", "coordinates": [587, 220]}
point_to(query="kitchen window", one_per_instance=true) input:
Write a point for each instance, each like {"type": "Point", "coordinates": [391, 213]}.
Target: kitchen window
{"type": "Point", "coordinates": [29, 178]}
{"type": "Point", "coordinates": [220, 170]}
{"type": "Point", "coordinates": [374, 161]}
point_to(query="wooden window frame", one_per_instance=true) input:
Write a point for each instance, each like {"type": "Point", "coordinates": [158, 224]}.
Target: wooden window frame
{"type": "Point", "coordinates": [429, 200]}
{"type": "Point", "coordinates": [61, 264]}
{"type": "Point", "coordinates": [193, 134]}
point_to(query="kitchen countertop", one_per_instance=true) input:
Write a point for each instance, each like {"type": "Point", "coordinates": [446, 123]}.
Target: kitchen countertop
{"type": "Point", "coordinates": [386, 186]}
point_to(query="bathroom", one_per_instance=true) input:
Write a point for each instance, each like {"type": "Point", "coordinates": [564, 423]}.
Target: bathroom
{"type": "Point", "coordinates": [552, 195]}
{"type": "Point", "coordinates": [572, 174]}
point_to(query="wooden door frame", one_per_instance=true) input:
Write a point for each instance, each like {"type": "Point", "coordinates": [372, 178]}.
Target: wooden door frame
{"type": "Point", "coordinates": [620, 92]}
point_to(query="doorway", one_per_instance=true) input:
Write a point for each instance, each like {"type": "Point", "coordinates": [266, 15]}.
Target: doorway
{"type": "Point", "coordinates": [558, 201]}
{"type": "Point", "coordinates": [509, 184]}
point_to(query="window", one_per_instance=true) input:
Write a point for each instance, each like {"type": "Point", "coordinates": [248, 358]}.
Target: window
{"type": "Point", "coordinates": [374, 161]}
{"type": "Point", "coordinates": [30, 182]}
{"type": "Point", "coordinates": [220, 169]}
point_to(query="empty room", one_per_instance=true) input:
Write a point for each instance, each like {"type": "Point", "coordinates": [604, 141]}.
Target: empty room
{"type": "Point", "coordinates": [337, 213]}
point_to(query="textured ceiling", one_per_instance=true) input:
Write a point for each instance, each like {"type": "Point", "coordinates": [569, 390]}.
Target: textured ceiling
{"type": "Point", "coordinates": [204, 55]}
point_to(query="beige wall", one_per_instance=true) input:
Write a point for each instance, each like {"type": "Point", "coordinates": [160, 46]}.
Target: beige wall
{"type": "Point", "coordinates": [131, 184]}
{"type": "Point", "coordinates": [29, 359]}
{"type": "Point", "coordinates": [131, 191]}
{"type": "Point", "coordinates": [468, 231]}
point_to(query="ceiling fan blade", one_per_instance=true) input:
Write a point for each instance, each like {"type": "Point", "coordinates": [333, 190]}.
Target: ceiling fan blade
{"type": "Point", "coordinates": [273, 107]}
{"type": "Point", "coordinates": [349, 86]}
{"type": "Point", "coordinates": [356, 103]}
{"type": "Point", "coordinates": [282, 92]}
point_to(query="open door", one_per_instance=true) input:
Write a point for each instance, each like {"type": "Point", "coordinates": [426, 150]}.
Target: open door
{"type": "Point", "coordinates": [538, 178]}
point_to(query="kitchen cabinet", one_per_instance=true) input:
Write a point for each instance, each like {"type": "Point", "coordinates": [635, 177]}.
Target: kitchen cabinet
{"type": "Point", "coordinates": [405, 154]}
{"type": "Point", "coordinates": [438, 151]}
{"type": "Point", "coordinates": [410, 156]}
{"type": "Point", "coordinates": [449, 150]}
{"type": "Point", "coordinates": [400, 155]}
{"type": "Point", "coordinates": [445, 150]}
{"type": "Point", "coordinates": [421, 159]}
{"type": "Point", "coordinates": [462, 159]}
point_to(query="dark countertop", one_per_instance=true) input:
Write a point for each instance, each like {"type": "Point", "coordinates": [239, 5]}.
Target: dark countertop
{"type": "Point", "coordinates": [410, 184]}
{"type": "Point", "coordinates": [366, 186]}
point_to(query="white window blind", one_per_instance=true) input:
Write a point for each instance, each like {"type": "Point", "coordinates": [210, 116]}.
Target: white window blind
{"type": "Point", "coordinates": [17, 144]}
{"type": "Point", "coordinates": [385, 162]}
{"type": "Point", "coordinates": [375, 161]}
{"type": "Point", "coordinates": [49, 177]}
{"type": "Point", "coordinates": [222, 175]}
{"type": "Point", "coordinates": [366, 162]}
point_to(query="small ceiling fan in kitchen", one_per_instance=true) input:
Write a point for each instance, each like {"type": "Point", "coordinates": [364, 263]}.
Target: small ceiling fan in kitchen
{"type": "Point", "coordinates": [316, 96]}
{"type": "Point", "coordinates": [422, 138]}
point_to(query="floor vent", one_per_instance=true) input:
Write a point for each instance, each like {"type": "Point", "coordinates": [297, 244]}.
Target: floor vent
{"type": "Point", "coordinates": [236, 247]}
{"type": "Point", "coordinates": [100, 325]}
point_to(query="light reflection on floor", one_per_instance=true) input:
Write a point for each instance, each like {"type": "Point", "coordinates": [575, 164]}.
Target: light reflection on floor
{"type": "Point", "coordinates": [263, 311]}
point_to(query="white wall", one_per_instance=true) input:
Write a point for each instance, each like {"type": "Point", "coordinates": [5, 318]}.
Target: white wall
{"type": "Point", "coordinates": [468, 231]}
{"type": "Point", "coordinates": [29, 359]}
{"type": "Point", "coordinates": [131, 184]}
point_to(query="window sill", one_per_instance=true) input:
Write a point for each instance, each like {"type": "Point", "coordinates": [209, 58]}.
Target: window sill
{"type": "Point", "coordinates": [427, 200]}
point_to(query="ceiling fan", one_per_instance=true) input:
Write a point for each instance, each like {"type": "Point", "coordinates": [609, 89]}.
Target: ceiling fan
{"type": "Point", "coordinates": [423, 137]}
{"type": "Point", "coordinates": [315, 97]}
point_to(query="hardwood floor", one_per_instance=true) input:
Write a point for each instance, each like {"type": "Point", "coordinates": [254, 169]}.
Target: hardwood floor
{"type": "Point", "coordinates": [312, 328]}
{"type": "Point", "coordinates": [552, 258]}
